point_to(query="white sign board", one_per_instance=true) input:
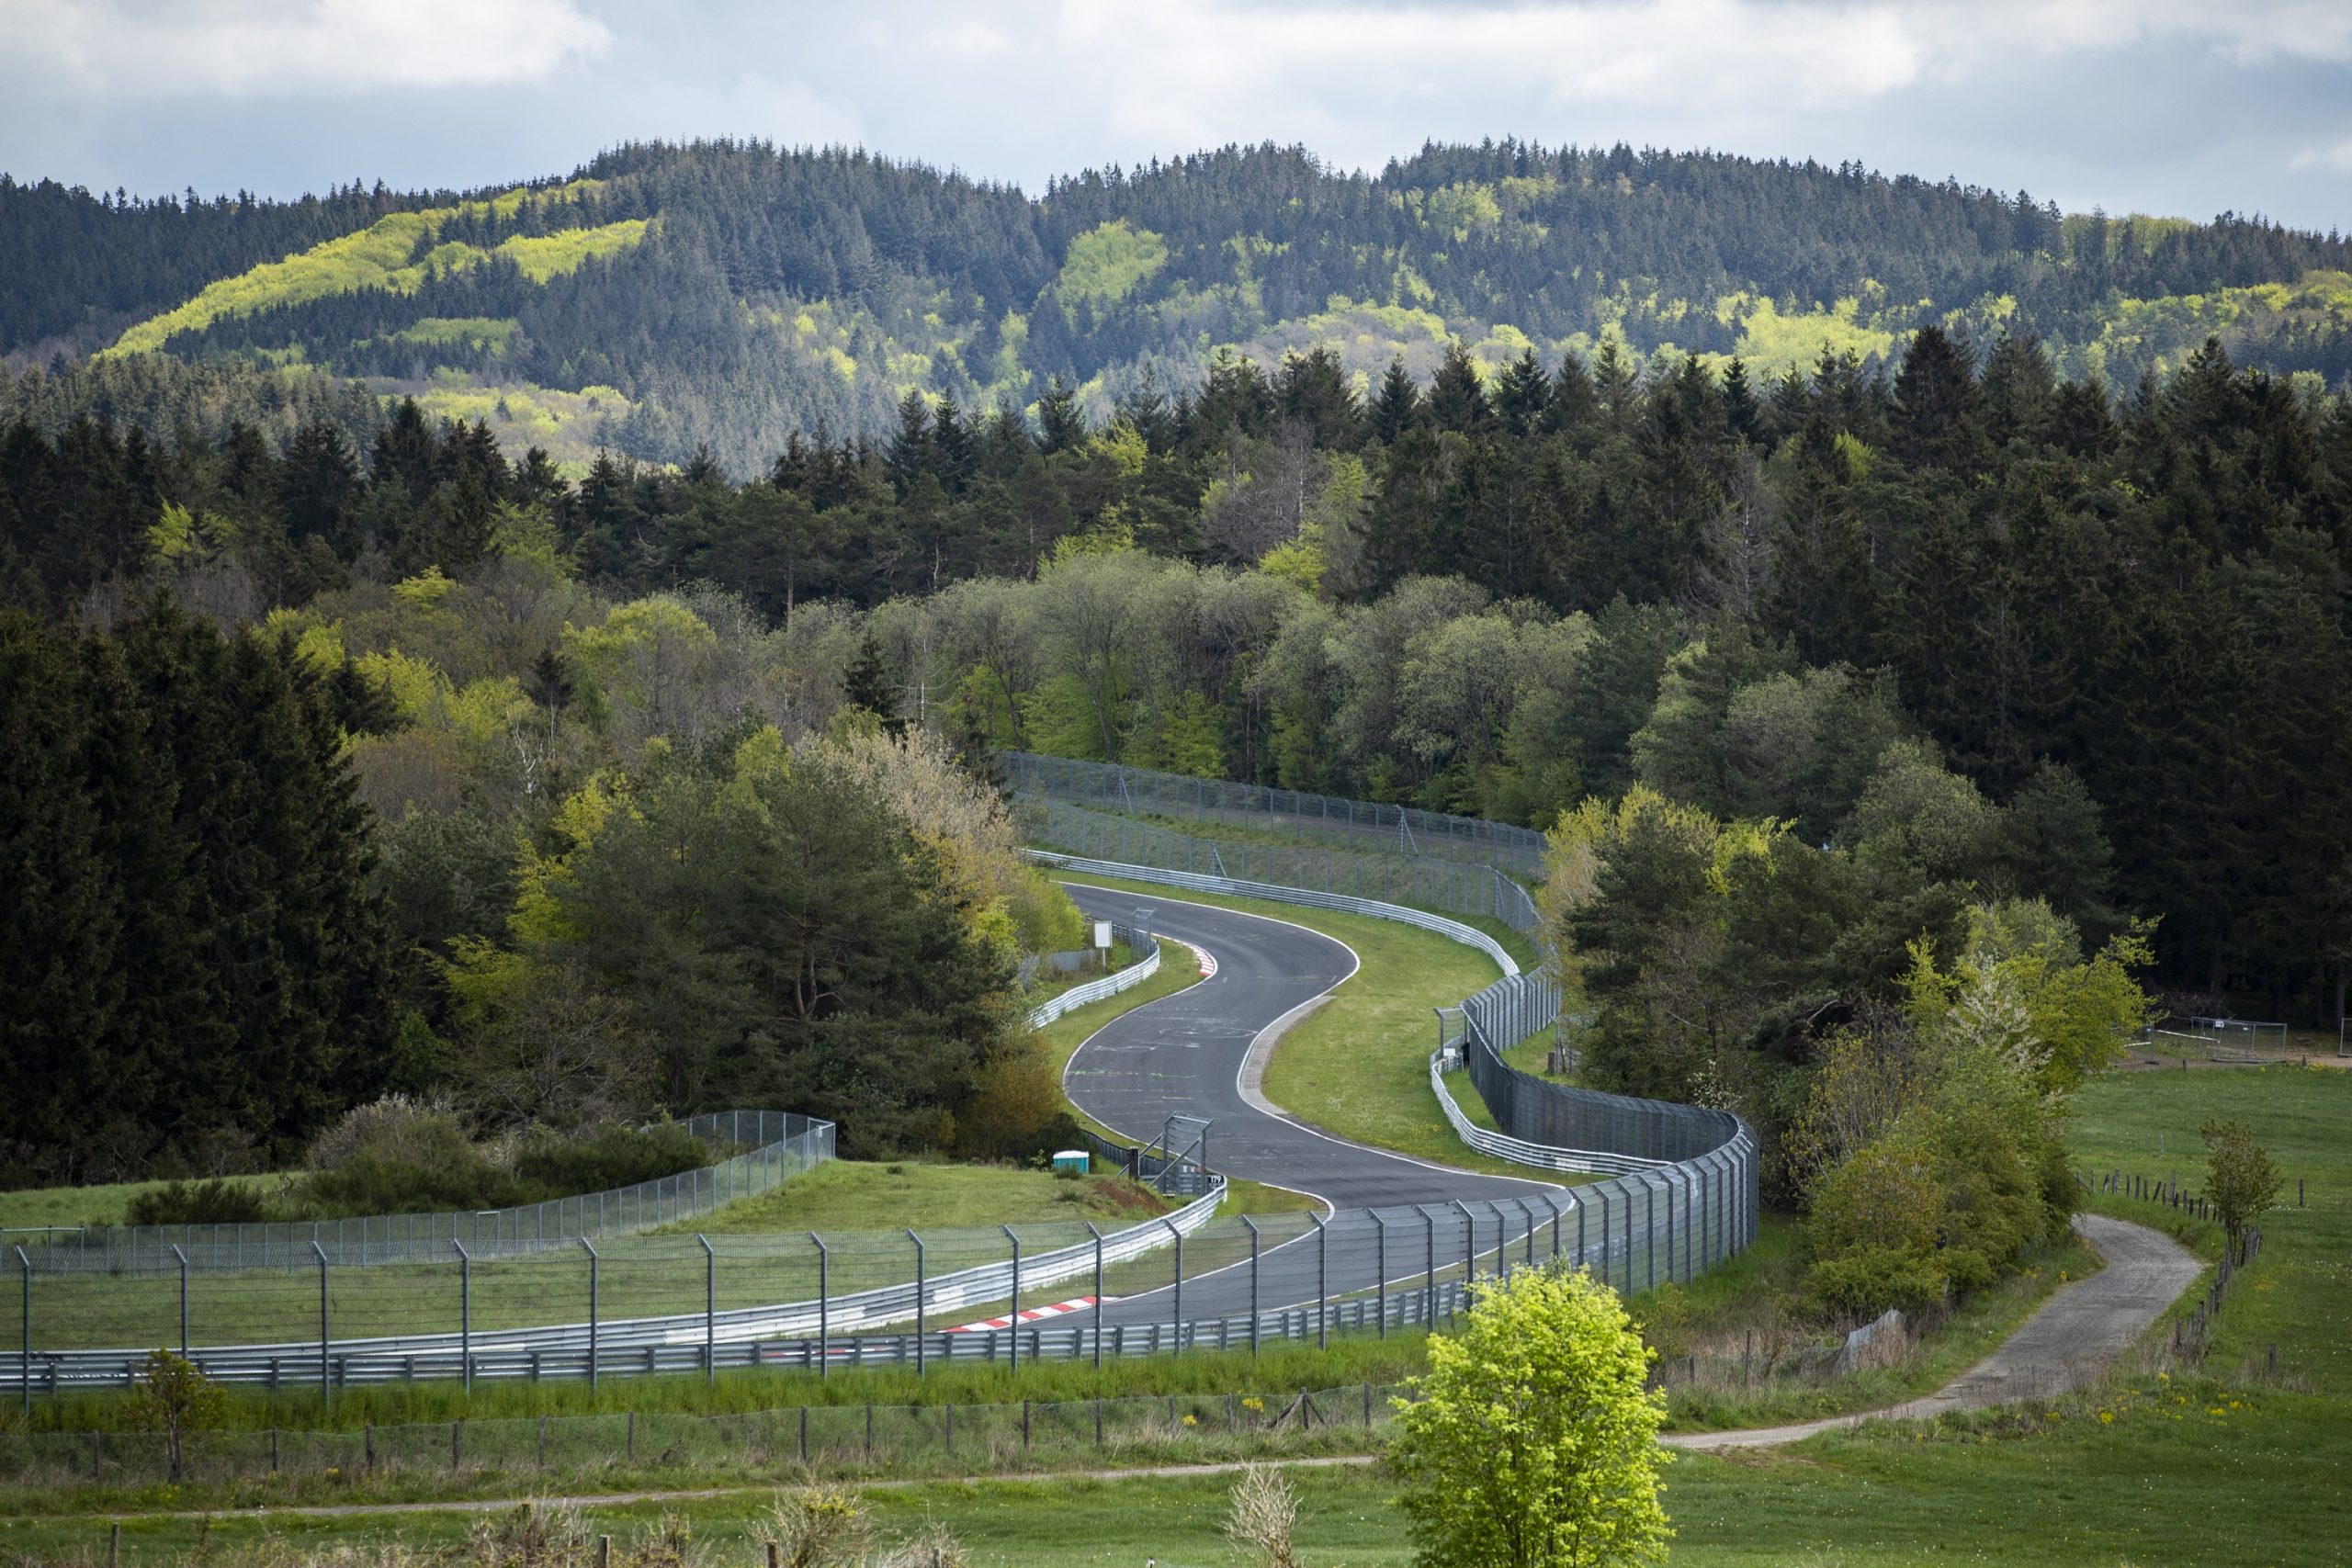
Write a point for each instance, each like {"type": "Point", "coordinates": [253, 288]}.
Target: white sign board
{"type": "Point", "coordinates": [1102, 934]}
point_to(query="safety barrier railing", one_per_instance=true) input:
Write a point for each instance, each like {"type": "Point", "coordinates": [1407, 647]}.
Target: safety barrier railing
{"type": "Point", "coordinates": [1146, 948]}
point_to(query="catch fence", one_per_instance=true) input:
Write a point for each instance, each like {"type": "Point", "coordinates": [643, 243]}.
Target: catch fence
{"type": "Point", "coordinates": [1330, 820]}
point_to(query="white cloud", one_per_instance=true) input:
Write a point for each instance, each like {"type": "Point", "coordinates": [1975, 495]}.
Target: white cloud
{"type": "Point", "coordinates": [241, 48]}
{"type": "Point", "coordinates": [2334, 158]}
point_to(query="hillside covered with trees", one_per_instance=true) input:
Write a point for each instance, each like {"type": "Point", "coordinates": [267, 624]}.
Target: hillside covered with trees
{"type": "Point", "coordinates": [1889, 685]}
{"type": "Point", "coordinates": [725, 296]}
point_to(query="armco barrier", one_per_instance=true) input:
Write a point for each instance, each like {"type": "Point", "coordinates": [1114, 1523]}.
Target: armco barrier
{"type": "Point", "coordinates": [1110, 985]}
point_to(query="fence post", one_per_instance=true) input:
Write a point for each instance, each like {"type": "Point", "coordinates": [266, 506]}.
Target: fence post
{"type": "Point", "coordinates": [1176, 1307]}
{"type": "Point", "coordinates": [1469, 1249]}
{"type": "Point", "coordinates": [1603, 1190]}
{"type": "Point", "coordinates": [1322, 1280]}
{"type": "Point", "coordinates": [183, 1261]}
{"type": "Point", "coordinates": [709, 1310]}
{"type": "Point", "coordinates": [326, 1390]}
{"type": "Point", "coordinates": [25, 1356]}
{"type": "Point", "coordinates": [1253, 1283]}
{"type": "Point", "coordinates": [465, 1315]}
{"type": "Point", "coordinates": [595, 1263]}
{"type": "Point", "coordinates": [919, 1290]}
{"type": "Point", "coordinates": [824, 1302]}
{"type": "Point", "coordinates": [1428, 1282]}
{"type": "Point", "coordinates": [1380, 1268]}
{"type": "Point", "coordinates": [1015, 1320]}
{"type": "Point", "coordinates": [1098, 1322]}
{"type": "Point", "coordinates": [1526, 1213]}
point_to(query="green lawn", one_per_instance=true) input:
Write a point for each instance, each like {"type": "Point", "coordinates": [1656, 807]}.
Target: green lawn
{"type": "Point", "coordinates": [1359, 1065]}
{"type": "Point", "coordinates": [100, 1205]}
{"type": "Point", "coordinates": [873, 1195]}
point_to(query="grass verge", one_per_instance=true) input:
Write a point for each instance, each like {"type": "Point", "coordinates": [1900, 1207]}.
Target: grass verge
{"type": "Point", "coordinates": [873, 1195]}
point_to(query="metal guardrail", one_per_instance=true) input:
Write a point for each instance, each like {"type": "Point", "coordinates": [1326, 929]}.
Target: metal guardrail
{"type": "Point", "coordinates": [1111, 984]}
{"type": "Point", "coordinates": [785, 1144]}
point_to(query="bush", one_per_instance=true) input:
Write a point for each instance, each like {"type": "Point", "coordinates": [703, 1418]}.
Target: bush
{"type": "Point", "coordinates": [607, 1156]}
{"type": "Point", "coordinates": [213, 1203]}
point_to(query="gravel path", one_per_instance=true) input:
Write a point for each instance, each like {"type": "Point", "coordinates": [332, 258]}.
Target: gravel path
{"type": "Point", "coordinates": [2063, 1345]}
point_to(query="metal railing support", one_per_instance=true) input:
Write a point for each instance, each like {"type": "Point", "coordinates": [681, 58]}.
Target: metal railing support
{"type": "Point", "coordinates": [1177, 1307]}
{"type": "Point", "coordinates": [1380, 1268]}
{"type": "Point", "coordinates": [326, 1389]}
{"type": "Point", "coordinates": [1097, 1314]}
{"type": "Point", "coordinates": [183, 1261]}
{"type": "Point", "coordinates": [25, 1322]}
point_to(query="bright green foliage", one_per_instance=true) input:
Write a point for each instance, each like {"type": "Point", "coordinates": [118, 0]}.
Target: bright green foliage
{"type": "Point", "coordinates": [1107, 262]}
{"type": "Point", "coordinates": [2239, 1176]}
{"type": "Point", "coordinates": [1532, 1442]}
{"type": "Point", "coordinates": [171, 1396]}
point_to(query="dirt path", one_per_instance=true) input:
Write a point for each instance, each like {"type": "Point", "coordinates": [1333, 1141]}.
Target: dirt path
{"type": "Point", "coordinates": [2063, 1345]}
{"type": "Point", "coordinates": [2068, 1342]}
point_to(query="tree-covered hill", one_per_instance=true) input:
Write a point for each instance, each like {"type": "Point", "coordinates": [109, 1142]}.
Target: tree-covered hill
{"type": "Point", "coordinates": [728, 295]}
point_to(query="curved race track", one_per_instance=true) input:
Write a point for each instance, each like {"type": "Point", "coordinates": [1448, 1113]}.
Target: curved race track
{"type": "Point", "coordinates": [1191, 1054]}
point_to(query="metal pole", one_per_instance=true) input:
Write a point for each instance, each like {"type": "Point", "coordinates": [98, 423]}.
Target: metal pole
{"type": "Point", "coordinates": [1428, 1282]}
{"type": "Point", "coordinates": [465, 1315]}
{"type": "Point", "coordinates": [183, 1258]}
{"type": "Point", "coordinates": [25, 1356]}
{"type": "Point", "coordinates": [1015, 1319]}
{"type": "Point", "coordinates": [1176, 1309]}
{"type": "Point", "coordinates": [1469, 1247]}
{"type": "Point", "coordinates": [709, 1310]}
{"type": "Point", "coordinates": [1380, 1268]}
{"type": "Point", "coordinates": [824, 1303]}
{"type": "Point", "coordinates": [1322, 1280]}
{"type": "Point", "coordinates": [326, 1390]}
{"type": "Point", "coordinates": [1253, 1282]}
{"type": "Point", "coordinates": [919, 1290]}
{"type": "Point", "coordinates": [1098, 1308]}
{"type": "Point", "coordinates": [594, 1263]}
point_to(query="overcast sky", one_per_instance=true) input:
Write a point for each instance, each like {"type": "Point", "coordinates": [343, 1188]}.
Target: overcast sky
{"type": "Point", "coordinates": [2178, 107]}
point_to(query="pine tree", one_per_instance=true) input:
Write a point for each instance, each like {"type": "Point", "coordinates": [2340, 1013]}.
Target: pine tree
{"type": "Point", "coordinates": [1399, 407]}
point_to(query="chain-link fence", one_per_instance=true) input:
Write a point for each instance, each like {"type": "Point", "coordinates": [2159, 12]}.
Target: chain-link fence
{"type": "Point", "coordinates": [1328, 820]}
{"type": "Point", "coordinates": [775, 1145]}
{"type": "Point", "coordinates": [1182, 1282]}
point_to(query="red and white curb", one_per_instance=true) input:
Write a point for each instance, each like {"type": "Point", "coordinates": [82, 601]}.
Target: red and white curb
{"type": "Point", "coordinates": [1208, 959]}
{"type": "Point", "coordinates": [1028, 1314]}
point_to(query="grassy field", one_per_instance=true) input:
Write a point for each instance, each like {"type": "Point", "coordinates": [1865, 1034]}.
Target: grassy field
{"type": "Point", "coordinates": [1359, 1065]}
{"type": "Point", "coordinates": [2160, 1464]}
{"type": "Point", "coordinates": [867, 1195]}
{"type": "Point", "coordinates": [99, 1205]}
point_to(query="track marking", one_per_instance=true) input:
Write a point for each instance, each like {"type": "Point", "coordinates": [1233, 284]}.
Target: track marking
{"type": "Point", "coordinates": [1030, 1314]}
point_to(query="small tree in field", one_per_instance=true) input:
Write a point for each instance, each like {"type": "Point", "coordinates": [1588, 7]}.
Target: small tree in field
{"type": "Point", "coordinates": [1534, 1442]}
{"type": "Point", "coordinates": [2239, 1176]}
{"type": "Point", "coordinates": [173, 1396]}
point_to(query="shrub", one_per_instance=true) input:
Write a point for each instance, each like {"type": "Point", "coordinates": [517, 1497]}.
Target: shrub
{"type": "Point", "coordinates": [607, 1156]}
{"type": "Point", "coordinates": [213, 1203]}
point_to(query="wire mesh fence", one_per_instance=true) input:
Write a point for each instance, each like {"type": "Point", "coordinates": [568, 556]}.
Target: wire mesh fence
{"type": "Point", "coordinates": [1329, 820]}
{"type": "Point", "coordinates": [773, 1147]}
{"type": "Point", "coordinates": [1454, 885]}
{"type": "Point", "coordinates": [1181, 1283]}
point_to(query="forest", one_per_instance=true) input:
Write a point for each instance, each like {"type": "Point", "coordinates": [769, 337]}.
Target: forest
{"type": "Point", "coordinates": [1850, 689]}
{"type": "Point", "coordinates": [724, 296]}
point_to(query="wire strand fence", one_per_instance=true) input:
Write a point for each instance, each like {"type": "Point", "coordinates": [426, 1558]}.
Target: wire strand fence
{"type": "Point", "coordinates": [863, 1438]}
{"type": "Point", "coordinates": [1330, 820]}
